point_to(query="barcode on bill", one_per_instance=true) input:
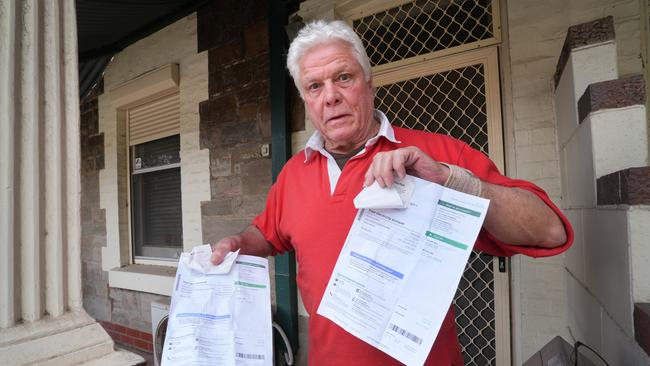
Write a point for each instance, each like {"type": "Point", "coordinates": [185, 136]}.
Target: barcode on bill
{"type": "Point", "coordinates": [249, 356]}
{"type": "Point", "coordinates": [405, 333]}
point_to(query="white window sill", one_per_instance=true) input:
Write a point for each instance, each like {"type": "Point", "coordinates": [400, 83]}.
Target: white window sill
{"type": "Point", "coordinates": [144, 278]}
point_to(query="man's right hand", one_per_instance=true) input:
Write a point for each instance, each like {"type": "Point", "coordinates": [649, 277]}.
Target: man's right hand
{"type": "Point", "coordinates": [223, 247]}
{"type": "Point", "coordinates": [250, 242]}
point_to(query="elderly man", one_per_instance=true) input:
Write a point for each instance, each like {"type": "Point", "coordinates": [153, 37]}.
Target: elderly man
{"type": "Point", "coordinates": [309, 209]}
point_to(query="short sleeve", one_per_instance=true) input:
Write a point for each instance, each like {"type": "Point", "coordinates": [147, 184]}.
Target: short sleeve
{"type": "Point", "coordinates": [268, 221]}
{"type": "Point", "coordinates": [486, 170]}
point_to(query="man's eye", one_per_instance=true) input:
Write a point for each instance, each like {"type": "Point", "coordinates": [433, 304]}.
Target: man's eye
{"type": "Point", "coordinates": [314, 86]}
{"type": "Point", "coordinates": [344, 77]}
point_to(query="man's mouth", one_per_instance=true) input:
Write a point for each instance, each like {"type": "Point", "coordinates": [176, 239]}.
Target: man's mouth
{"type": "Point", "coordinates": [336, 117]}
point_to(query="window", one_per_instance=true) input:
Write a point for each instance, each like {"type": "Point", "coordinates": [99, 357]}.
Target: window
{"type": "Point", "coordinates": [142, 110]}
{"type": "Point", "coordinates": [156, 213]}
{"type": "Point", "coordinates": [155, 179]}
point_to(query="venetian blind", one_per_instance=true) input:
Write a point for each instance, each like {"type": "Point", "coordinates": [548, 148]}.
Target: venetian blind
{"type": "Point", "coordinates": [154, 120]}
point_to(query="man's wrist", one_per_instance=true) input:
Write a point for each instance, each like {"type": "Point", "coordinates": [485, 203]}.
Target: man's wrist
{"type": "Point", "coordinates": [462, 180]}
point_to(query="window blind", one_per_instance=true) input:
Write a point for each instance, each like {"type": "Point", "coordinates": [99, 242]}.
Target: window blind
{"type": "Point", "coordinates": [154, 120]}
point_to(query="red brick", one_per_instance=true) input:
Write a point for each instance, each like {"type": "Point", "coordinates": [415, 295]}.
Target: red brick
{"type": "Point", "coordinates": [107, 325]}
{"type": "Point", "coordinates": [112, 334]}
{"type": "Point", "coordinates": [147, 337]}
{"type": "Point", "coordinates": [148, 348]}
{"type": "Point", "coordinates": [123, 339]}
{"type": "Point", "coordinates": [141, 344]}
{"type": "Point", "coordinates": [133, 333]}
{"type": "Point", "coordinates": [120, 329]}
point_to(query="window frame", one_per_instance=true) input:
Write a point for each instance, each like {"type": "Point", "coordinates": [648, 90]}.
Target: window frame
{"type": "Point", "coordinates": [352, 10]}
{"type": "Point", "coordinates": [143, 259]}
{"type": "Point", "coordinates": [145, 275]}
{"type": "Point", "coordinates": [147, 88]}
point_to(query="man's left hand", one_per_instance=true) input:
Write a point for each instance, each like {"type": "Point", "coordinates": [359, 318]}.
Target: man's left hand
{"type": "Point", "coordinates": [411, 160]}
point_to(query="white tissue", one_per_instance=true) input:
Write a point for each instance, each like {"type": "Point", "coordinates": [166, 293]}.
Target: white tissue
{"type": "Point", "coordinates": [397, 196]}
{"type": "Point", "coordinates": [199, 260]}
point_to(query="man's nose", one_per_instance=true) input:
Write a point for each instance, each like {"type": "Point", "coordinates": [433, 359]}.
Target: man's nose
{"type": "Point", "coordinates": [332, 95]}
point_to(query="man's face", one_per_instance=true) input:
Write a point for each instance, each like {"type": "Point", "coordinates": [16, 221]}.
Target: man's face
{"type": "Point", "coordinates": [338, 99]}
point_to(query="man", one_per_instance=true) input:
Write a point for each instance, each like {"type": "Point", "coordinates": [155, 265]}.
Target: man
{"type": "Point", "coordinates": [309, 209]}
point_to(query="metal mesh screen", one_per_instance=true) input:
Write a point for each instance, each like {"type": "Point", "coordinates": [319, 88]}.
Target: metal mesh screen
{"type": "Point", "coordinates": [422, 27]}
{"type": "Point", "coordinates": [475, 311]}
{"type": "Point", "coordinates": [453, 102]}
{"type": "Point", "coordinates": [450, 102]}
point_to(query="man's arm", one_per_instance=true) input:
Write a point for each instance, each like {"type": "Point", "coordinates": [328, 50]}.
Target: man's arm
{"type": "Point", "coordinates": [250, 242]}
{"type": "Point", "coordinates": [518, 217]}
{"type": "Point", "coordinates": [515, 216]}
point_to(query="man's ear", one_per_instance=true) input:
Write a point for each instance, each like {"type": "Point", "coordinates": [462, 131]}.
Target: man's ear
{"type": "Point", "coordinates": [373, 89]}
{"type": "Point", "coordinates": [371, 86]}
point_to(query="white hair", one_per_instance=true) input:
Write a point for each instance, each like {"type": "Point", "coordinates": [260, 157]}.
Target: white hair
{"type": "Point", "coordinates": [319, 32]}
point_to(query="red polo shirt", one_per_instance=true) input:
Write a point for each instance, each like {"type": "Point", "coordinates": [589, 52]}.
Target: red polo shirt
{"type": "Point", "coordinates": [302, 215]}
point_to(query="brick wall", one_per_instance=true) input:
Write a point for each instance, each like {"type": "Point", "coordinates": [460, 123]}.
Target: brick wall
{"type": "Point", "coordinates": [129, 336]}
{"type": "Point", "coordinates": [235, 119]}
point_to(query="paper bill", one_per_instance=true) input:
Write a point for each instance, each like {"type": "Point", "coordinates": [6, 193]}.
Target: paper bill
{"type": "Point", "coordinates": [399, 269]}
{"type": "Point", "coordinates": [219, 315]}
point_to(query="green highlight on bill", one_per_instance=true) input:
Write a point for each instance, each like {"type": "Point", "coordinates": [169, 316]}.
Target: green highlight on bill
{"type": "Point", "coordinates": [250, 264]}
{"type": "Point", "coordinates": [248, 284]}
{"type": "Point", "coordinates": [459, 208]}
{"type": "Point", "coordinates": [446, 240]}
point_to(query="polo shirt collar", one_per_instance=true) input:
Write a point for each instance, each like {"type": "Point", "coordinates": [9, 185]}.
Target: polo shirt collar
{"type": "Point", "coordinates": [316, 142]}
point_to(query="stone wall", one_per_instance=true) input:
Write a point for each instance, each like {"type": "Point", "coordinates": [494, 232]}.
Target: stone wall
{"type": "Point", "coordinates": [174, 44]}
{"type": "Point", "coordinates": [93, 224]}
{"type": "Point", "coordinates": [235, 119]}
{"type": "Point", "coordinates": [126, 314]}
{"type": "Point", "coordinates": [230, 123]}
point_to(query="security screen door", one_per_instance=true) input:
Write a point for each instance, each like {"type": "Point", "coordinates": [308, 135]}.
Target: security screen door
{"type": "Point", "coordinates": [435, 67]}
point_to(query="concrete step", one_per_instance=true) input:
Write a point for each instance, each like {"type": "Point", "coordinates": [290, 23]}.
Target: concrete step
{"type": "Point", "coordinates": [117, 358]}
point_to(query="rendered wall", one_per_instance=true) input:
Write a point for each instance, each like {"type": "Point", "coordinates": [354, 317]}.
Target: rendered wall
{"type": "Point", "coordinates": [536, 32]}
